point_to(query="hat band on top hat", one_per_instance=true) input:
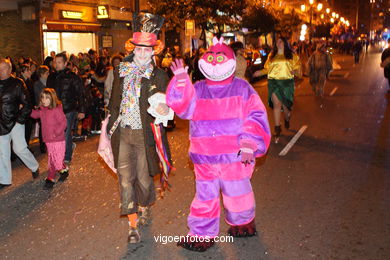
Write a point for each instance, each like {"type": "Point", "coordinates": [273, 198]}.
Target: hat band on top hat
{"type": "Point", "coordinates": [144, 39]}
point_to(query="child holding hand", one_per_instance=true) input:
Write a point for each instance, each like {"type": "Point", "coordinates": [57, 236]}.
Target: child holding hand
{"type": "Point", "coordinates": [53, 123]}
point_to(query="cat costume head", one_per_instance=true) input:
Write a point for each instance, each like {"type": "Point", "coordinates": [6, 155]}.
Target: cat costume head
{"type": "Point", "coordinates": [218, 64]}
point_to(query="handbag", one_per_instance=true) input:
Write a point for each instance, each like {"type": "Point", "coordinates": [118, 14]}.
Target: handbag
{"type": "Point", "coordinates": [104, 148]}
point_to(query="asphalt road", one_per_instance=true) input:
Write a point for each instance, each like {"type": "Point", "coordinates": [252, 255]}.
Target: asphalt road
{"type": "Point", "coordinates": [328, 198]}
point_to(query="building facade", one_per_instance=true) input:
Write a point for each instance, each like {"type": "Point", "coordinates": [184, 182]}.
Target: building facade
{"type": "Point", "coordinates": [35, 28]}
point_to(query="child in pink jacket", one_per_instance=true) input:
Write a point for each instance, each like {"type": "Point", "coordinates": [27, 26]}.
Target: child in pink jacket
{"type": "Point", "coordinates": [53, 122]}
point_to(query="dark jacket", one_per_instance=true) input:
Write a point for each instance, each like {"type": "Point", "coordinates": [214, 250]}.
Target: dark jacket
{"type": "Point", "coordinates": [384, 56]}
{"type": "Point", "coordinates": [69, 89]}
{"type": "Point", "coordinates": [38, 87]}
{"type": "Point", "coordinates": [158, 82]}
{"type": "Point", "coordinates": [14, 105]}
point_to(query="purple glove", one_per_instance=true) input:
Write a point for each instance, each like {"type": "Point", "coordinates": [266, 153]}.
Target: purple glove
{"type": "Point", "coordinates": [247, 152]}
{"type": "Point", "coordinates": [180, 71]}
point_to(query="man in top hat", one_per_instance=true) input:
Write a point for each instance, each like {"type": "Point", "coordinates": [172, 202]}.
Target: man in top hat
{"type": "Point", "coordinates": [135, 80]}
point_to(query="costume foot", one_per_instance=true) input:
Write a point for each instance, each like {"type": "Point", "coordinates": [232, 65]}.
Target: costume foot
{"type": "Point", "coordinates": [134, 236]}
{"type": "Point", "coordinates": [196, 246]}
{"type": "Point", "coordinates": [247, 230]}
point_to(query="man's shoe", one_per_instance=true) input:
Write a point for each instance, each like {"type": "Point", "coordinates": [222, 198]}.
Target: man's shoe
{"type": "Point", "coordinates": [48, 184]}
{"type": "Point", "coordinates": [35, 174]}
{"type": "Point", "coordinates": [287, 123]}
{"type": "Point", "coordinates": [144, 215]}
{"type": "Point", "coordinates": [278, 130]}
{"type": "Point", "coordinates": [134, 236]}
{"type": "Point", "coordinates": [2, 186]}
{"type": "Point", "coordinates": [63, 175]}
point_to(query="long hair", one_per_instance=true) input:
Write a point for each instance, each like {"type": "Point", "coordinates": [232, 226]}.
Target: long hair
{"type": "Point", "coordinates": [288, 54]}
{"type": "Point", "coordinates": [51, 93]}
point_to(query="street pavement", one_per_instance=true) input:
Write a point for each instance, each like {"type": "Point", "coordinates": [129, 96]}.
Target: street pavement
{"type": "Point", "coordinates": [327, 198]}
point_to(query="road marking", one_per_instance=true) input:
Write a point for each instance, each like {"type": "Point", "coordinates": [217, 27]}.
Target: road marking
{"type": "Point", "coordinates": [333, 91]}
{"type": "Point", "coordinates": [293, 141]}
{"type": "Point", "coordinates": [346, 75]}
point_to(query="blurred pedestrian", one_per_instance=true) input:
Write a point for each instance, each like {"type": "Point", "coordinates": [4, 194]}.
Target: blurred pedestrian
{"type": "Point", "coordinates": [385, 62]}
{"type": "Point", "coordinates": [25, 75]}
{"type": "Point", "coordinates": [281, 67]}
{"type": "Point", "coordinates": [356, 49]}
{"type": "Point", "coordinates": [320, 65]}
{"type": "Point", "coordinates": [53, 122]}
{"type": "Point", "coordinates": [39, 85]}
{"type": "Point", "coordinates": [14, 110]}
{"type": "Point", "coordinates": [115, 60]}
{"type": "Point", "coordinates": [238, 49]}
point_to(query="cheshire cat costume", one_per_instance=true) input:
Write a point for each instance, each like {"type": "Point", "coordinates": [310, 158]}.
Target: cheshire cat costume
{"type": "Point", "coordinates": [228, 129]}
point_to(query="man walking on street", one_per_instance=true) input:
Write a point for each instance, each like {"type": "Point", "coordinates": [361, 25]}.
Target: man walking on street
{"type": "Point", "coordinates": [14, 110]}
{"type": "Point", "coordinates": [70, 91]}
{"type": "Point", "coordinates": [134, 149]}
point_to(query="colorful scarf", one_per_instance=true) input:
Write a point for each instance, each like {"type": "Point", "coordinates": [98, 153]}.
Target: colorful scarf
{"type": "Point", "coordinates": [132, 75]}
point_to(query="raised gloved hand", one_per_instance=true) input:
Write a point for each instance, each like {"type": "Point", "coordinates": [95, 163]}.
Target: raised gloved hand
{"type": "Point", "coordinates": [179, 71]}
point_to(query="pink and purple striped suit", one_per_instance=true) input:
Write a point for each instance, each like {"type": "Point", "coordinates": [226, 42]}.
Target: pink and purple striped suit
{"type": "Point", "coordinates": [222, 118]}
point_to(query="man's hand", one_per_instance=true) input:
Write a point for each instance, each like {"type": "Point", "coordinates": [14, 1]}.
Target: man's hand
{"type": "Point", "coordinates": [162, 109]}
{"type": "Point", "coordinates": [80, 116]}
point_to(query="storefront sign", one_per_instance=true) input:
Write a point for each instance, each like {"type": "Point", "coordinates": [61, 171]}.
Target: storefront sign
{"type": "Point", "coordinates": [102, 12]}
{"type": "Point", "coordinates": [71, 14]}
{"type": "Point", "coordinates": [83, 27]}
{"type": "Point", "coordinates": [107, 41]}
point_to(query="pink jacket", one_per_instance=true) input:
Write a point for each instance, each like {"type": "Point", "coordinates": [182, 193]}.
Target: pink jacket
{"type": "Point", "coordinates": [53, 122]}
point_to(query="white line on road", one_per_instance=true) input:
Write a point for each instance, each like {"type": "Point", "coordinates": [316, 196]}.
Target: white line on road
{"type": "Point", "coordinates": [346, 75]}
{"type": "Point", "coordinates": [333, 91]}
{"type": "Point", "coordinates": [293, 141]}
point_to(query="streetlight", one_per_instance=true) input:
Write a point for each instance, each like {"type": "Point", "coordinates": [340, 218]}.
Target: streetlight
{"type": "Point", "coordinates": [332, 20]}
{"type": "Point", "coordinates": [342, 19]}
{"type": "Point", "coordinates": [333, 14]}
{"type": "Point", "coordinates": [327, 10]}
{"type": "Point", "coordinates": [319, 7]}
{"type": "Point", "coordinates": [311, 2]}
{"type": "Point", "coordinates": [337, 16]}
{"type": "Point", "coordinates": [303, 8]}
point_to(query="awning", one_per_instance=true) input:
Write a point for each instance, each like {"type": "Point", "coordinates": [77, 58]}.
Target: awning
{"type": "Point", "coordinates": [71, 27]}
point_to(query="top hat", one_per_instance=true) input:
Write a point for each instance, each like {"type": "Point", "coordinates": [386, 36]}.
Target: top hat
{"type": "Point", "coordinates": [146, 27]}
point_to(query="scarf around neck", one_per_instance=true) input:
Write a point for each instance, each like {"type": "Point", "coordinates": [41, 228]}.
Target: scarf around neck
{"type": "Point", "coordinates": [132, 74]}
